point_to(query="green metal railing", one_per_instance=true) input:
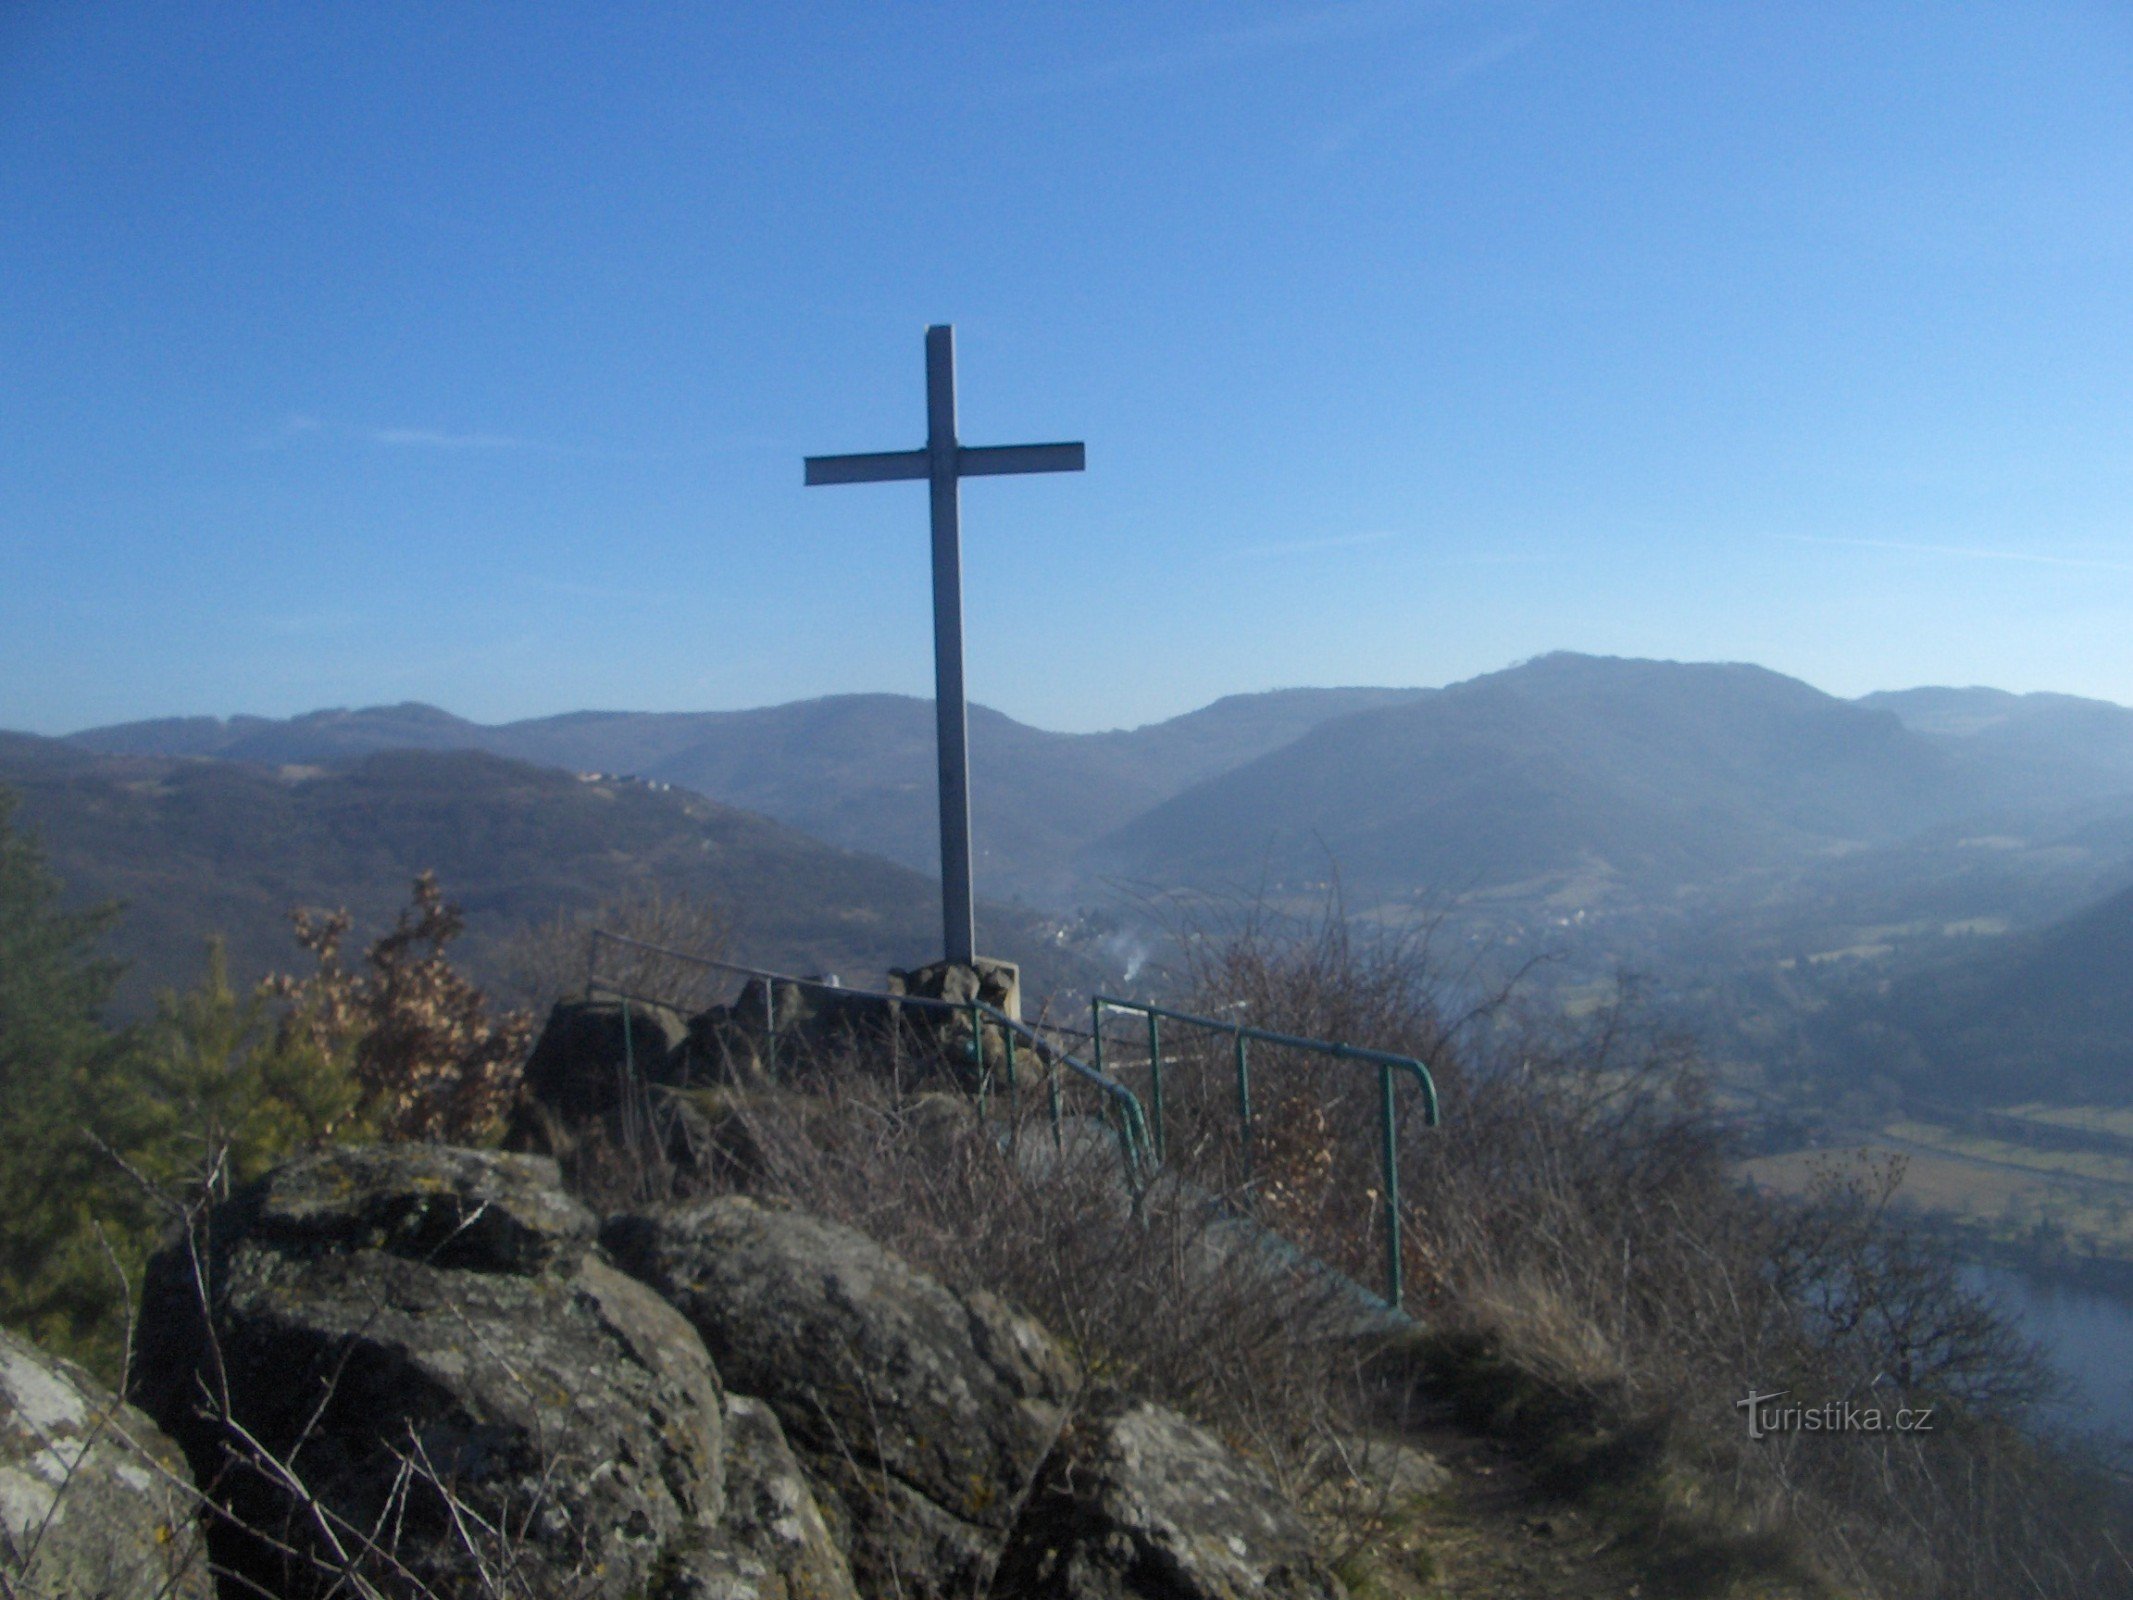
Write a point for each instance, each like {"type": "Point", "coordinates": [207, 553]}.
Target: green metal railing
{"type": "Point", "coordinates": [1242, 1038]}
{"type": "Point", "coordinates": [1131, 1125]}
{"type": "Point", "coordinates": [1142, 1136]}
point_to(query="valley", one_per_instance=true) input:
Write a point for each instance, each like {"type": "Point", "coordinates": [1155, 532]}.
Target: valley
{"type": "Point", "coordinates": [1901, 924]}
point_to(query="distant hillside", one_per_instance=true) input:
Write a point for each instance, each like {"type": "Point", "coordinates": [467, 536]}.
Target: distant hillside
{"type": "Point", "coordinates": [854, 770]}
{"type": "Point", "coordinates": [1654, 772]}
{"type": "Point", "coordinates": [1624, 779]}
{"type": "Point", "coordinates": [316, 736]}
{"type": "Point", "coordinates": [2043, 1016]}
{"type": "Point", "coordinates": [198, 846]}
{"type": "Point", "coordinates": [2026, 748]}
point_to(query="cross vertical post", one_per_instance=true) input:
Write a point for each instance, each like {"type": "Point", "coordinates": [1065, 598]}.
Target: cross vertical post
{"type": "Point", "coordinates": [951, 716]}
{"type": "Point", "coordinates": [944, 463]}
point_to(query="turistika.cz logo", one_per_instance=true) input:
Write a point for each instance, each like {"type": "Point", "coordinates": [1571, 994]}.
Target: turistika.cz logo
{"type": "Point", "coordinates": [1767, 1416]}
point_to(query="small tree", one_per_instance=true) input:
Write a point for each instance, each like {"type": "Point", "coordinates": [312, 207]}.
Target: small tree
{"type": "Point", "coordinates": [61, 1070]}
{"type": "Point", "coordinates": [546, 962]}
{"type": "Point", "coordinates": [237, 1089]}
{"type": "Point", "coordinates": [430, 1061]}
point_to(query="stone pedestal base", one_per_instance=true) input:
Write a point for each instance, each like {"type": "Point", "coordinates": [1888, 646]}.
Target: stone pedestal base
{"type": "Point", "coordinates": [994, 983]}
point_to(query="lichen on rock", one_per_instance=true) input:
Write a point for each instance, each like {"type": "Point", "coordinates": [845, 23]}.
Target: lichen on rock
{"type": "Point", "coordinates": [420, 1349]}
{"type": "Point", "coordinates": [95, 1501]}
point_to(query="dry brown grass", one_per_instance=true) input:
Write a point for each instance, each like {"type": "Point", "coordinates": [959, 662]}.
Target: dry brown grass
{"type": "Point", "coordinates": [1598, 1287]}
{"type": "Point", "coordinates": [1595, 1286]}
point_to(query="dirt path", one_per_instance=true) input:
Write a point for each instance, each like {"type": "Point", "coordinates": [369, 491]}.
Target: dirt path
{"type": "Point", "coordinates": [1485, 1533]}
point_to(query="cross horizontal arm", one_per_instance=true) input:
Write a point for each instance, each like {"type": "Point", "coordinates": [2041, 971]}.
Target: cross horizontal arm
{"type": "Point", "coordinates": [985, 460]}
{"type": "Point", "coordinates": [867, 469]}
{"type": "Point", "coordinates": [979, 461]}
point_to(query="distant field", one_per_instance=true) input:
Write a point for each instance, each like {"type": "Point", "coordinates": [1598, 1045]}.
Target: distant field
{"type": "Point", "coordinates": [2093, 1165]}
{"type": "Point", "coordinates": [2115, 1120]}
{"type": "Point", "coordinates": [2002, 1189]}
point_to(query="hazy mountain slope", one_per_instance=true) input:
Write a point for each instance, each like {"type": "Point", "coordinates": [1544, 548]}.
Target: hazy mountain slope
{"type": "Point", "coordinates": [859, 770]}
{"type": "Point", "coordinates": [2042, 1016]}
{"type": "Point", "coordinates": [854, 770]}
{"type": "Point", "coordinates": [199, 846]}
{"type": "Point", "coordinates": [170, 736]}
{"type": "Point", "coordinates": [2029, 748]}
{"type": "Point", "coordinates": [316, 736]}
{"type": "Point", "coordinates": [1182, 751]}
{"type": "Point", "coordinates": [1653, 771]}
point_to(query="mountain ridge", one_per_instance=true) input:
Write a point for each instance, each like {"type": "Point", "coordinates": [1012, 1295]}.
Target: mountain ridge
{"type": "Point", "coordinates": [197, 846]}
{"type": "Point", "coordinates": [856, 771]}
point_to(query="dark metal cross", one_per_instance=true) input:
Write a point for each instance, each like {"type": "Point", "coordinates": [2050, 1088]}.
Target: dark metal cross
{"type": "Point", "coordinates": [944, 463]}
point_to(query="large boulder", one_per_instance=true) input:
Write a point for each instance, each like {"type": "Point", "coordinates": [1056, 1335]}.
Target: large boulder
{"type": "Point", "coordinates": [778, 1030]}
{"type": "Point", "coordinates": [409, 1356]}
{"type": "Point", "coordinates": [95, 1502]}
{"type": "Point", "coordinates": [1140, 1504]}
{"type": "Point", "coordinates": [922, 1415]}
{"type": "Point", "coordinates": [594, 1055]}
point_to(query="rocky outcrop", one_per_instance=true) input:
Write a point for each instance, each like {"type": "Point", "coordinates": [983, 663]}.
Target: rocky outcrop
{"type": "Point", "coordinates": [426, 1364]}
{"type": "Point", "coordinates": [772, 1543]}
{"type": "Point", "coordinates": [924, 1416]}
{"type": "Point", "coordinates": [592, 1055]}
{"type": "Point", "coordinates": [95, 1501]}
{"type": "Point", "coordinates": [1138, 1502]}
{"type": "Point", "coordinates": [775, 1029]}
{"type": "Point", "coordinates": [420, 1366]}
{"type": "Point", "coordinates": [994, 983]}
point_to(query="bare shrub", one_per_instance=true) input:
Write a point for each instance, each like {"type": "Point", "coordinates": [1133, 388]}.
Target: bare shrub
{"type": "Point", "coordinates": [1162, 1294]}
{"type": "Point", "coordinates": [1596, 1282]}
{"type": "Point", "coordinates": [431, 1060]}
{"type": "Point", "coordinates": [1593, 1282]}
{"type": "Point", "coordinates": [547, 962]}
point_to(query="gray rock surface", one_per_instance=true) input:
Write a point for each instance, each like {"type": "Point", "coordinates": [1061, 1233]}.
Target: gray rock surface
{"type": "Point", "coordinates": [397, 1321]}
{"type": "Point", "coordinates": [922, 1415]}
{"type": "Point", "coordinates": [1138, 1502]}
{"type": "Point", "coordinates": [994, 983]}
{"type": "Point", "coordinates": [95, 1502]}
{"type": "Point", "coordinates": [772, 1543]}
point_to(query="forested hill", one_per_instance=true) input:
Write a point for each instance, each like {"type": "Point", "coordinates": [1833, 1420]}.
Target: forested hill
{"type": "Point", "coordinates": [196, 847]}
{"type": "Point", "coordinates": [1650, 772]}
{"type": "Point", "coordinates": [2046, 1016]}
{"type": "Point", "coordinates": [854, 770]}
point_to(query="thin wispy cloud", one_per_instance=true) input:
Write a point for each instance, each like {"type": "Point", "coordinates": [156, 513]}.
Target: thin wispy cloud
{"type": "Point", "coordinates": [437, 439]}
{"type": "Point", "coordinates": [288, 431]}
{"type": "Point", "coordinates": [1428, 84]}
{"type": "Point", "coordinates": [302, 427]}
{"type": "Point", "coordinates": [571, 589]}
{"type": "Point", "coordinates": [300, 430]}
{"type": "Point", "coordinates": [1300, 30]}
{"type": "Point", "coordinates": [2039, 558]}
{"type": "Point", "coordinates": [1332, 541]}
{"type": "Point", "coordinates": [308, 624]}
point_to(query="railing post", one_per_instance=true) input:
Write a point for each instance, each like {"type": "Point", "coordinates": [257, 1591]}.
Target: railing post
{"type": "Point", "coordinates": [1155, 1084]}
{"type": "Point", "coordinates": [1388, 1133]}
{"type": "Point", "coordinates": [629, 1076]}
{"type": "Point", "coordinates": [1244, 1103]}
{"type": "Point", "coordinates": [1014, 1092]}
{"type": "Point", "coordinates": [1051, 1080]}
{"type": "Point", "coordinates": [770, 1029]}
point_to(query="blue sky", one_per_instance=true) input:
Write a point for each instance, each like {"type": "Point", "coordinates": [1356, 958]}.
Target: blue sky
{"type": "Point", "coordinates": [467, 353]}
